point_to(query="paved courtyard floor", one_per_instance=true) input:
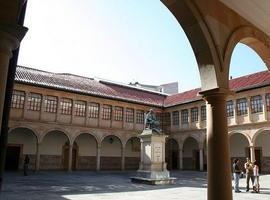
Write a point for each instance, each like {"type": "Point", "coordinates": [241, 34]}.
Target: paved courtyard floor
{"type": "Point", "coordinates": [113, 186]}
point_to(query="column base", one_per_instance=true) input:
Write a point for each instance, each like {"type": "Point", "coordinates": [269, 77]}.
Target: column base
{"type": "Point", "coordinates": [153, 177]}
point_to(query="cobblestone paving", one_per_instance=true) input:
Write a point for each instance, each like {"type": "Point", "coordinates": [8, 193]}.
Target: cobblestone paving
{"type": "Point", "coordinates": [113, 186]}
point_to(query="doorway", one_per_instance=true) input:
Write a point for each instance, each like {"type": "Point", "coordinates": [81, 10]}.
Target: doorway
{"type": "Point", "coordinates": [12, 158]}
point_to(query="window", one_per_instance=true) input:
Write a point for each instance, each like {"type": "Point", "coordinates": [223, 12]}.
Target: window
{"type": "Point", "coordinates": [203, 113]}
{"type": "Point", "coordinates": [194, 114]}
{"type": "Point", "coordinates": [230, 108]}
{"type": "Point", "coordinates": [139, 116]}
{"type": "Point", "coordinates": [80, 108]}
{"type": "Point", "coordinates": [256, 104]}
{"type": "Point", "coordinates": [18, 98]}
{"type": "Point", "coordinates": [242, 106]}
{"type": "Point", "coordinates": [166, 122]}
{"type": "Point", "coordinates": [129, 115]}
{"type": "Point", "coordinates": [184, 116]}
{"type": "Point", "coordinates": [175, 117]}
{"type": "Point", "coordinates": [34, 102]}
{"type": "Point", "coordinates": [118, 113]}
{"type": "Point", "coordinates": [267, 100]}
{"type": "Point", "coordinates": [66, 106]}
{"type": "Point", "coordinates": [50, 104]}
{"type": "Point", "coordinates": [93, 110]}
{"type": "Point", "coordinates": [106, 112]}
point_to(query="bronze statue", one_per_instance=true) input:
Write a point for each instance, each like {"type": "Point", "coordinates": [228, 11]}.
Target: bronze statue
{"type": "Point", "coordinates": [151, 122]}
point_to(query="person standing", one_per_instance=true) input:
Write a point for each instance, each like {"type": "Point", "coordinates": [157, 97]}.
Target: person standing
{"type": "Point", "coordinates": [25, 165]}
{"type": "Point", "coordinates": [256, 184]}
{"type": "Point", "coordinates": [236, 174]}
{"type": "Point", "coordinates": [249, 173]}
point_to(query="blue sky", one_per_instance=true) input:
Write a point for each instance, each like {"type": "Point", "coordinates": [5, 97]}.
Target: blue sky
{"type": "Point", "coordinates": [119, 40]}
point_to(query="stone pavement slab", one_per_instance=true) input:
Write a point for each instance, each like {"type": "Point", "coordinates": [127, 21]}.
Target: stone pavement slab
{"type": "Point", "coordinates": [113, 186]}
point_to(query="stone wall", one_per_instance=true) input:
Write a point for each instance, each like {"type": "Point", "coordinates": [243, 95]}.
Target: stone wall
{"type": "Point", "coordinates": [51, 162]}
{"type": "Point", "coordinates": [86, 163]}
{"type": "Point", "coordinates": [110, 163]}
{"type": "Point", "coordinates": [132, 163]}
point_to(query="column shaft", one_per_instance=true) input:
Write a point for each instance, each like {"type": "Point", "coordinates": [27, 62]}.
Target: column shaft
{"type": "Point", "coordinates": [201, 159]}
{"type": "Point", "coordinates": [70, 158]}
{"type": "Point", "coordinates": [180, 159]}
{"type": "Point", "coordinates": [123, 158]}
{"type": "Point", "coordinates": [252, 153]}
{"type": "Point", "coordinates": [98, 157]}
{"type": "Point", "coordinates": [37, 156]}
{"type": "Point", "coordinates": [218, 159]}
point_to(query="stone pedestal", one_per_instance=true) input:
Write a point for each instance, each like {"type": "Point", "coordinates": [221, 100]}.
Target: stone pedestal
{"type": "Point", "coordinates": [153, 168]}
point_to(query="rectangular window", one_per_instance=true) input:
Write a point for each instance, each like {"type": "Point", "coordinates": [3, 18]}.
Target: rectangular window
{"type": "Point", "coordinates": [80, 108]}
{"type": "Point", "coordinates": [175, 118]}
{"type": "Point", "coordinates": [256, 104]}
{"type": "Point", "coordinates": [203, 113]}
{"type": "Point", "coordinates": [184, 116]}
{"type": "Point", "coordinates": [118, 113]}
{"type": "Point", "coordinates": [230, 108]}
{"type": "Point", "coordinates": [129, 115]}
{"type": "Point", "coordinates": [93, 110]}
{"type": "Point", "coordinates": [139, 116]}
{"type": "Point", "coordinates": [34, 101]}
{"type": "Point", "coordinates": [166, 122]}
{"type": "Point", "coordinates": [18, 98]}
{"type": "Point", "coordinates": [106, 112]}
{"type": "Point", "coordinates": [66, 106]}
{"type": "Point", "coordinates": [267, 100]}
{"type": "Point", "coordinates": [241, 106]}
{"type": "Point", "coordinates": [50, 104]}
{"type": "Point", "coordinates": [194, 114]}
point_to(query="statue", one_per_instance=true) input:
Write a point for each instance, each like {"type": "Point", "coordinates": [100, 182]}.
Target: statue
{"type": "Point", "coordinates": [151, 122]}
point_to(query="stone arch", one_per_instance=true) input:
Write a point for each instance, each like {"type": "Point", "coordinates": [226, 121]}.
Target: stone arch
{"type": "Point", "coordinates": [253, 38]}
{"type": "Point", "coordinates": [257, 133]}
{"type": "Point", "coordinates": [172, 154]}
{"type": "Point", "coordinates": [191, 160]}
{"type": "Point", "coordinates": [59, 130]}
{"type": "Point", "coordinates": [26, 127]}
{"type": "Point", "coordinates": [208, 57]}
{"type": "Point", "coordinates": [98, 141]}
{"type": "Point", "coordinates": [111, 149]}
{"type": "Point", "coordinates": [239, 146]}
{"type": "Point", "coordinates": [132, 153]}
{"type": "Point", "coordinates": [262, 149]}
{"type": "Point", "coordinates": [84, 156]}
{"type": "Point", "coordinates": [54, 150]}
{"type": "Point", "coordinates": [231, 133]}
{"type": "Point", "coordinates": [22, 141]}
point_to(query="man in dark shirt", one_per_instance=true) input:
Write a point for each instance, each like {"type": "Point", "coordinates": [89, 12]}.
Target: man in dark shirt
{"type": "Point", "coordinates": [236, 174]}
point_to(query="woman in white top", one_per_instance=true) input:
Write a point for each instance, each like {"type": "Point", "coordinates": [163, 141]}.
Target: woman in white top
{"type": "Point", "coordinates": [256, 185]}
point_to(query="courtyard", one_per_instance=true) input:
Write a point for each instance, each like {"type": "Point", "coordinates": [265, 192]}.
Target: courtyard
{"type": "Point", "coordinates": [46, 185]}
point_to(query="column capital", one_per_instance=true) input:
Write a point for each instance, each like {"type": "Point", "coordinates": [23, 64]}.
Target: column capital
{"type": "Point", "coordinates": [216, 92]}
{"type": "Point", "coordinates": [10, 37]}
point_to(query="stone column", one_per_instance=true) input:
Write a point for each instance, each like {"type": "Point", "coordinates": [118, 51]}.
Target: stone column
{"type": "Point", "coordinates": [201, 159]}
{"type": "Point", "coordinates": [37, 156]}
{"type": "Point", "coordinates": [86, 113]}
{"type": "Point", "coordinates": [218, 159]}
{"type": "Point", "coordinates": [123, 150]}
{"type": "Point", "coordinates": [249, 110]}
{"type": "Point", "coordinates": [73, 111]}
{"type": "Point", "coordinates": [112, 116]}
{"type": "Point", "coordinates": [98, 157]}
{"type": "Point", "coordinates": [199, 117]}
{"type": "Point", "coordinates": [70, 157]}
{"type": "Point", "coordinates": [235, 111]}
{"type": "Point", "coordinates": [124, 118]}
{"type": "Point", "coordinates": [264, 107]}
{"type": "Point", "coordinates": [100, 114]}
{"type": "Point", "coordinates": [8, 43]}
{"type": "Point", "coordinates": [58, 111]}
{"type": "Point", "coordinates": [25, 104]}
{"type": "Point", "coordinates": [134, 122]}
{"type": "Point", "coordinates": [252, 153]}
{"type": "Point", "coordinates": [180, 159]}
{"type": "Point", "coordinates": [42, 107]}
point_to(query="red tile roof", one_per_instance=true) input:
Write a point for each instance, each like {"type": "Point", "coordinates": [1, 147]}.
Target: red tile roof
{"type": "Point", "coordinates": [88, 86]}
{"type": "Point", "coordinates": [107, 89]}
{"type": "Point", "coordinates": [238, 84]}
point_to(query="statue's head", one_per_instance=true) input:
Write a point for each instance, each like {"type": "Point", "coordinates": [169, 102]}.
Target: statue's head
{"type": "Point", "coordinates": [151, 110]}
